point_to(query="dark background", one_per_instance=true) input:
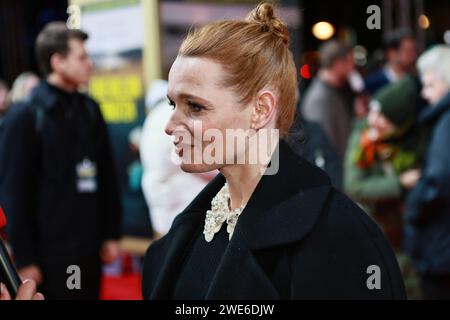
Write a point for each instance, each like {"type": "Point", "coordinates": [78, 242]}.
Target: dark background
{"type": "Point", "coordinates": [21, 20]}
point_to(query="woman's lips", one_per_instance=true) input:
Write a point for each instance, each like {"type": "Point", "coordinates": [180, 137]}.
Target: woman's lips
{"type": "Point", "coordinates": [178, 150]}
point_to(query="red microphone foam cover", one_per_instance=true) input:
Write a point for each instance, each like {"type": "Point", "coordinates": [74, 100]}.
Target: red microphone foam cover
{"type": "Point", "coordinates": [2, 219]}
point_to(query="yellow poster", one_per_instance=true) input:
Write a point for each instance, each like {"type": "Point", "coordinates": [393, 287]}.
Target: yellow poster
{"type": "Point", "coordinates": [117, 96]}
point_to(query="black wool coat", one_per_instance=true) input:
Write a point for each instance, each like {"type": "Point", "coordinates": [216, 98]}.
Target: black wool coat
{"type": "Point", "coordinates": [297, 238]}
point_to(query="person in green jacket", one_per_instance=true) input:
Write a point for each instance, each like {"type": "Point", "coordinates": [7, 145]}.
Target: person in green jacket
{"type": "Point", "coordinates": [382, 163]}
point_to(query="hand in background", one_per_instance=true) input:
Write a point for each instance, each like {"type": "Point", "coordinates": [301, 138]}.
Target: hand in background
{"type": "Point", "coordinates": [31, 272]}
{"type": "Point", "coordinates": [27, 291]}
{"type": "Point", "coordinates": [409, 179]}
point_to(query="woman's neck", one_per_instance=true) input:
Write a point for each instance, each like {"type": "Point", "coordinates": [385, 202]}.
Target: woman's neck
{"type": "Point", "coordinates": [242, 181]}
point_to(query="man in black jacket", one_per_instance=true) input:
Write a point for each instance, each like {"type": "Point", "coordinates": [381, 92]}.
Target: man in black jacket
{"type": "Point", "coordinates": [60, 189]}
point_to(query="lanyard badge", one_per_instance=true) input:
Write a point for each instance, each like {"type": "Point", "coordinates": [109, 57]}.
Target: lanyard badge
{"type": "Point", "coordinates": [86, 176]}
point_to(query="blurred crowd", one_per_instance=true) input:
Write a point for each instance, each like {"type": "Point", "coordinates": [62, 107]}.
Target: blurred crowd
{"type": "Point", "coordinates": [392, 135]}
{"type": "Point", "coordinates": [382, 136]}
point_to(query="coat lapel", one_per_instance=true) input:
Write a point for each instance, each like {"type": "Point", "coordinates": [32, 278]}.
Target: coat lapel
{"type": "Point", "coordinates": [285, 206]}
{"type": "Point", "coordinates": [239, 275]}
{"type": "Point", "coordinates": [283, 209]}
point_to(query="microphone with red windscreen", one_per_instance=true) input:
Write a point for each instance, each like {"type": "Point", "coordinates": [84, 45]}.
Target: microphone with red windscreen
{"type": "Point", "coordinates": [8, 273]}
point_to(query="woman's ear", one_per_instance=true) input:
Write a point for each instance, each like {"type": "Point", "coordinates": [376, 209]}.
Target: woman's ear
{"type": "Point", "coordinates": [263, 110]}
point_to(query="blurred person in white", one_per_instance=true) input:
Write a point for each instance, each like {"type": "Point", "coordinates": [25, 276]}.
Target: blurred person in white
{"type": "Point", "coordinates": [22, 86]}
{"type": "Point", "coordinates": [163, 182]}
{"type": "Point", "coordinates": [427, 232]}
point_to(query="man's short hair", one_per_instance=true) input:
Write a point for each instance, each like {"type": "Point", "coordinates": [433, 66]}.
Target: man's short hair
{"type": "Point", "coordinates": [331, 51]}
{"type": "Point", "coordinates": [394, 39]}
{"type": "Point", "coordinates": [54, 38]}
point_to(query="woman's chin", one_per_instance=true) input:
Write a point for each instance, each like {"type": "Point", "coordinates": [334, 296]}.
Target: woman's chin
{"type": "Point", "coordinates": [197, 168]}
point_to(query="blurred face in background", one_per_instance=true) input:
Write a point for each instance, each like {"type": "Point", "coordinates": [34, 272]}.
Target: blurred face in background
{"type": "Point", "coordinates": [197, 96]}
{"type": "Point", "coordinates": [433, 89]}
{"type": "Point", "coordinates": [344, 66]}
{"type": "Point", "coordinates": [75, 67]}
{"type": "Point", "coordinates": [379, 122]}
{"type": "Point", "coordinates": [406, 55]}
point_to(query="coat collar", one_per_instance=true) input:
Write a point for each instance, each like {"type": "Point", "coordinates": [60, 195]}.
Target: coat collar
{"type": "Point", "coordinates": [49, 95]}
{"type": "Point", "coordinates": [283, 207]}
{"type": "Point", "coordinates": [431, 114]}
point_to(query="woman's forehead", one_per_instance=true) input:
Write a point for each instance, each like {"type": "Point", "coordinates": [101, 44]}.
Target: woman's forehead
{"type": "Point", "coordinates": [193, 74]}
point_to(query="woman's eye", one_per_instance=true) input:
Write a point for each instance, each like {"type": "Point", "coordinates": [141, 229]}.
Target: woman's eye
{"type": "Point", "coordinates": [195, 107]}
{"type": "Point", "coordinates": [172, 104]}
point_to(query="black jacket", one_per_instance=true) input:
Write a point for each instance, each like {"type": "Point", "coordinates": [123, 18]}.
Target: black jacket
{"type": "Point", "coordinates": [43, 140]}
{"type": "Point", "coordinates": [427, 230]}
{"type": "Point", "coordinates": [297, 238]}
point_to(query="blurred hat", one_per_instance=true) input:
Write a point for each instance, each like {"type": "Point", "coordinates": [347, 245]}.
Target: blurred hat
{"type": "Point", "coordinates": [398, 101]}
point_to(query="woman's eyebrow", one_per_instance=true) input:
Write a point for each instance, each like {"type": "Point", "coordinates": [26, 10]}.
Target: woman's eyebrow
{"type": "Point", "coordinates": [191, 96]}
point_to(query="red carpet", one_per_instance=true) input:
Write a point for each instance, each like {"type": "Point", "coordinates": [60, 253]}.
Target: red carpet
{"type": "Point", "coordinates": [125, 287]}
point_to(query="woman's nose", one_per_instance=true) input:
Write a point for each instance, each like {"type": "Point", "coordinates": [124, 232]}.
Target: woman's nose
{"type": "Point", "coordinates": [168, 129]}
{"type": "Point", "coordinates": [171, 124]}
